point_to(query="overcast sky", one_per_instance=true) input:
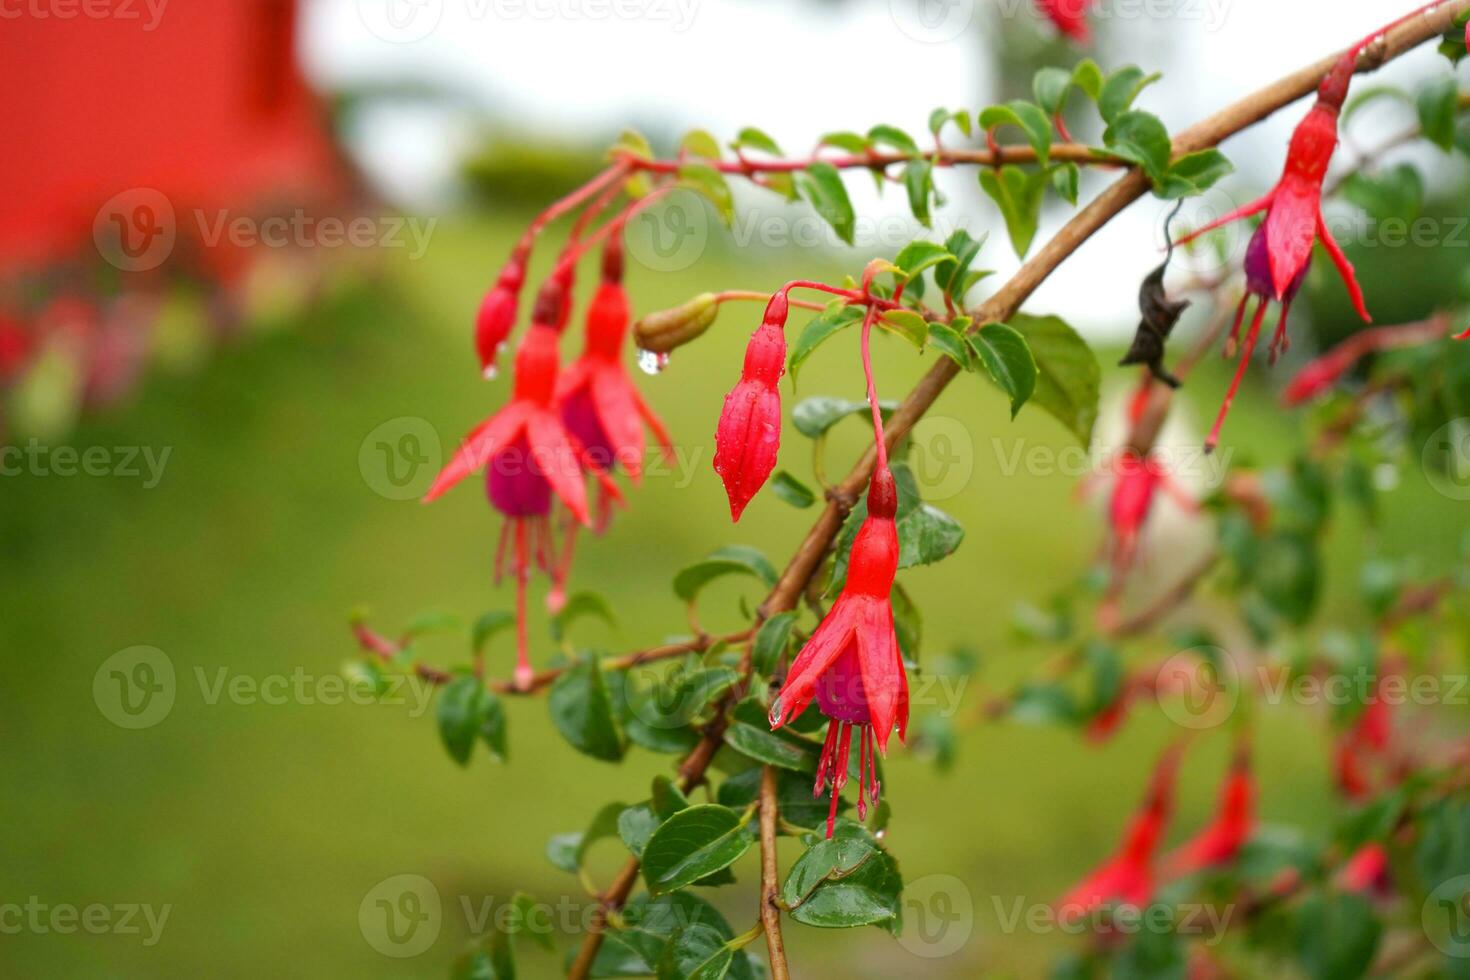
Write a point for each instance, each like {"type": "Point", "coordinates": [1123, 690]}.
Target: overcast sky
{"type": "Point", "coordinates": [797, 69]}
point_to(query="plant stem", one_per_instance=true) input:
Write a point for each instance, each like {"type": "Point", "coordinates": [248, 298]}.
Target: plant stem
{"type": "Point", "coordinates": [770, 888]}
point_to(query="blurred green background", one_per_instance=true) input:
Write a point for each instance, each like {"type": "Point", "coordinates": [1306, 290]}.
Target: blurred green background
{"type": "Point", "coordinates": [264, 826]}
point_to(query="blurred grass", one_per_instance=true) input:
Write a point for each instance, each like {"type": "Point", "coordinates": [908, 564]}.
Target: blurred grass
{"type": "Point", "coordinates": [265, 826]}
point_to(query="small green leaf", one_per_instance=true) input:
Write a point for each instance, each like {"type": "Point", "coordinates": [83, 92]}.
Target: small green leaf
{"type": "Point", "coordinates": [749, 733]}
{"type": "Point", "coordinates": [1030, 118]}
{"type": "Point", "coordinates": [581, 710]}
{"type": "Point", "coordinates": [1049, 86]}
{"type": "Point", "coordinates": [1140, 138]}
{"type": "Point", "coordinates": [918, 180]}
{"type": "Point", "coordinates": [1068, 376]}
{"type": "Point", "coordinates": [771, 642]}
{"type": "Point", "coordinates": [952, 344]}
{"type": "Point", "coordinates": [1064, 180]}
{"type": "Point", "coordinates": [699, 143]}
{"type": "Point", "coordinates": [893, 136]}
{"type": "Point", "coordinates": [1194, 174]}
{"type": "Point", "coordinates": [792, 491]}
{"type": "Point", "coordinates": [1007, 357]}
{"type": "Point", "coordinates": [819, 329]}
{"type": "Point", "coordinates": [709, 182]}
{"type": "Point", "coordinates": [814, 416]}
{"type": "Point", "coordinates": [697, 952]}
{"type": "Point", "coordinates": [1120, 89]}
{"type": "Point", "coordinates": [1018, 193]}
{"type": "Point", "coordinates": [851, 142]}
{"type": "Point", "coordinates": [580, 606]}
{"type": "Point", "coordinates": [1437, 102]}
{"type": "Point", "coordinates": [730, 560]}
{"type": "Point", "coordinates": [907, 324]}
{"type": "Point", "coordinates": [751, 138]}
{"type": "Point", "coordinates": [919, 255]}
{"type": "Point", "coordinates": [844, 882]}
{"type": "Point", "coordinates": [691, 844]}
{"type": "Point", "coordinates": [960, 117]}
{"type": "Point", "coordinates": [951, 275]}
{"type": "Point", "coordinates": [821, 185]}
{"type": "Point", "coordinates": [459, 715]}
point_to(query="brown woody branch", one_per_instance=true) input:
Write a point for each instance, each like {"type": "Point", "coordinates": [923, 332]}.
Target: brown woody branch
{"type": "Point", "coordinates": [770, 875]}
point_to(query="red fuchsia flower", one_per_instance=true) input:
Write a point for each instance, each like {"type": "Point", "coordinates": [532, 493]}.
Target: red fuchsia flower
{"type": "Point", "coordinates": [748, 436]}
{"type": "Point", "coordinates": [1234, 822]}
{"type": "Point", "coordinates": [1368, 739]}
{"type": "Point", "coordinates": [1137, 482]}
{"type": "Point", "coordinates": [851, 664]}
{"type": "Point", "coordinates": [497, 316]}
{"type": "Point", "coordinates": [1070, 17]}
{"type": "Point", "coordinates": [1128, 876]}
{"type": "Point", "coordinates": [529, 458]}
{"type": "Point", "coordinates": [1322, 374]}
{"type": "Point", "coordinates": [600, 404]}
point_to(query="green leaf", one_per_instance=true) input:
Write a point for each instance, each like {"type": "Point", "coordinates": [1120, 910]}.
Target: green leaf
{"type": "Point", "coordinates": [581, 710]}
{"type": "Point", "coordinates": [1049, 86]}
{"type": "Point", "coordinates": [1018, 193]}
{"type": "Point", "coordinates": [1288, 575]}
{"type": "Point", "coordinates": [691, 844]}
{"type": "Point", "coordinates": [495, 960]}
{"type": "Point", "coordinates": [1088, 77]}
{"type": "Point", "coordinates": [699, 143]}
{"type": "Point", "coordinates": [793, 796]}
{"type": "Point", "coordinates": [919, 255]}
{"type": "Point", "coordinates": [1120, 89]}
{"type": "Point", "coordinates": [1007, 357]}
{"type": "Point", "coordinates": [814, 416]}
{"type": "Point", "coordinates": [771, 642]}
{"type": "Point", "coordinates": [749, 733]}
{"type": "Point", "coordinates": [1064, 180]}
{"type": "Point", "coordinates": [821, 184]}
{"type": "Point", "coordinates": [843, 140]}
{"type": "Point", "coordinates": [1068, 376]}
{"type": "Point", "coordinates": [1044, 704]}
{"type": "Point", "coordinates": [1194, 174]}
{"type": "Point", "coordinates": [751, 138]}
{"type": "Point", "coordinates": [1337, 935]}
{"type": "Point", "coordinates": [792, 491]}
{"type": "Point", "coordinates": [1437, 102]}
{"type": "Point", "coordinates": [893, 136]}
{"type": "Point", "coordinates": [844, 882]}
{"type": "Point", "coordinates": [431, 622]}
{"type": "Point", "coordinates": [1140, 138]}
{"type": "Point", "coordinates": [463, 707]}
{"type": "Point", "coordinates": [580, 605]}
{"type": "Point", "coordinates": [950, 275]}
{"type": "Point", "coordinates": [1030, 118]}
{"type": "Point", "coordinates": [952, 344]}
{"type": "Point", "coordinates": [939, 117]}
{"type": "Point", "coordinates": [918, 180]}
{"type": "Point", "coordinates": [1392, 192]}
{"type": "Point", "coordinates": [729, 560]}
{"type": "Point", "coordinates": [709, 182]}
{"type": "Point", "coordinates": [907, 324]}
{"type": "Point", "coordinates": [819, 329]}
{"type": "Point", "coordinates": [636, 824]}
{"type": "Point", "coordinates": [697, 952]}
{"type": "Point", "coordinates": [488, 625]}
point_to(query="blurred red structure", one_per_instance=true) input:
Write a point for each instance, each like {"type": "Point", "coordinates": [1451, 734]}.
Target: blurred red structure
{"type": "Point", "coordinates": [137, 128]}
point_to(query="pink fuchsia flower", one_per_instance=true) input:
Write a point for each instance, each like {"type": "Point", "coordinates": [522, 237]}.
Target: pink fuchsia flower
{"type": "Point", "coordinates": [1128, 876]}
{"type": "Point", "coordinates": [529, 458]}
{"type": "Point", "coordinates": [1137, 481]}
{"type": "Point", "coordinates": [1366, 872]}
{"type": "Point", "coordinates": [497, 315]}
{"type": "Point", "coordinates": [1070, 17]}
{"type": "Point", "coordinates": [1233, 825]}
{"type": "Point", "coordinates": [1369, 739]}
{"type": "Point", "coordinates": [851, 665]}
{"type": "Point", "coordinates": [748, 437]}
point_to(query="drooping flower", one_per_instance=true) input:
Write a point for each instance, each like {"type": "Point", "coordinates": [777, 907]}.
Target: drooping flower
{"type": "Point", "coordinates": [748, 436]}
{"type": "Point", "coordinates": [1280, 250]}
{"type": "Point", "coordinates": [852, 665]}
{"type": "Point", "coordinates": [1070, 17]}
{"type": "Point", "coordinates": [529, 458]}
{"type": "Point", "coordinates": [1234, 822]}
{"type": "Point", "coordinates": [1128, 876]}
{"type": "Point", "coordinates": [1138, 480]}
{"type": "Point", "coordinates": [600, 404]}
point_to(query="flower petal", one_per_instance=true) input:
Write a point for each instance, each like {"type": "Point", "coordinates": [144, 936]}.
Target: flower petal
{"type": "Point", "coordinates": [1259, 204]}
{"type": "Point", "coordinates": [618, 413]}
{"type": "Point", "coordinates": [884, 683]}
{"type": "Point", "coordinates": [817, 657]}
{"type": "Point", "coordinates": [484, 441]}
{"type": "Point", "coordinates": [553, 452]}
{"type": "Point", "coordinates": [1291, 228]}
{"type": "Point", "coordinates": [1344, 268]}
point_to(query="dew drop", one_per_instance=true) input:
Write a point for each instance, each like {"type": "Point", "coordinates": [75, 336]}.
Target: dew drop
{"type": "Point", "coordinates": [775, 715]}
{"type": "Point", "coordinates": [490, 372]}
{"type": "Point", "coordinates": [652, 362]}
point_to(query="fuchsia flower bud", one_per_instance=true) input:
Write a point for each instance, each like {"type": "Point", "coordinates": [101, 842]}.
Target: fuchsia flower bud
{"type": "Point", "coordinates": [748, 437]}
{"type": "Point", "coordinates": [852, 665]}
{"type": "Point", "coordinates": [1070, 17]}
{"type": "Point", "coordinates": [497, 316]}
{"type": "Point", "coordinates": [1366, 871]}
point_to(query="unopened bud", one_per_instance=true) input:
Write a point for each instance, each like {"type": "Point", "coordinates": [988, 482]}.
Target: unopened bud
{"type": "Point", "coordinates": [665, 330]}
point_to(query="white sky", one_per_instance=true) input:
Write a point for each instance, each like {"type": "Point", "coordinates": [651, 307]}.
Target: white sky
{"type": "Point", "coordinates": [797, 69]}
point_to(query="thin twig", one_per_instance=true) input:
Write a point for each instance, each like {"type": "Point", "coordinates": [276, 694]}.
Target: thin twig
{"type": "Point", "coordinates": [770, 887]}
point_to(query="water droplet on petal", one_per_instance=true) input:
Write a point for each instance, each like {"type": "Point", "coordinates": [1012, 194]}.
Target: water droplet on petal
{"type": "Point", "coordinates": [775, 715]}
{"type": "Point", "coordinates": [652, 362]}
{"type": "Point", "coordinates": [490, 372]}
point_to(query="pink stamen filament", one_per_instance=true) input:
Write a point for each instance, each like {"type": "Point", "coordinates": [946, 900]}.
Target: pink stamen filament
{"type": "Point", "coordinates": [1245, 358]}
{"type": "Point", "coordinates": [523, 672]}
